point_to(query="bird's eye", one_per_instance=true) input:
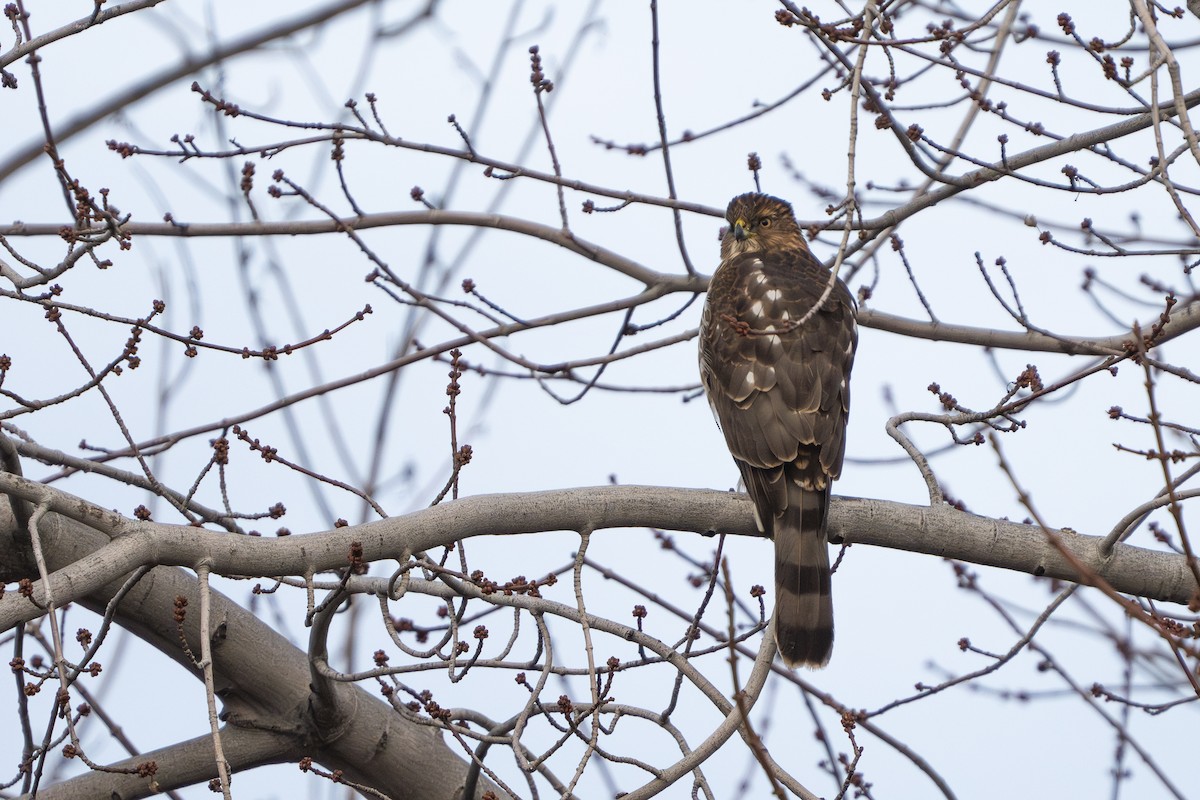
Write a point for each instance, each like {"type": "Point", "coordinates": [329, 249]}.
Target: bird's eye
{"type": "Point", "coordinates": [765, 222]}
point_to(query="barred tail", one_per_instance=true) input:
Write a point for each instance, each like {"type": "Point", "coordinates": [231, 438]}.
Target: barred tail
{"type": "Point", "coordinates": [803, 601]}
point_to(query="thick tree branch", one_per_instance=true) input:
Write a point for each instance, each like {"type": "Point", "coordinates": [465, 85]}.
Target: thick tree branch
{"type": "Point", "coordinates": [261, 678]}
{"type": "Point", "coordinates": [943, 532]}
{"type": "Point", "coordinates": [179, 765]}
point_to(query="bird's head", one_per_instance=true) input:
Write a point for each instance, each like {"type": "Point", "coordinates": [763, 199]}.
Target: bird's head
{"type": "Point", "coordinates": [759, 222]}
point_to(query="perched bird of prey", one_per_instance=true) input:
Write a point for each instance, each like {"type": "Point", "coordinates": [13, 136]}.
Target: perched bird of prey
{"type": "Point", "coordinates": [776, 369]}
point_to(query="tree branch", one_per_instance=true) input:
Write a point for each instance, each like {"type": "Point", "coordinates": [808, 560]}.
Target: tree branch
{"type": "Point", "coordinates": [940, 531]}
{"type": "Point", "coordinates": [261, 678]}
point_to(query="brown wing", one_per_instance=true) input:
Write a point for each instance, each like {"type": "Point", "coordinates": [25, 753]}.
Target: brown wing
{"type": "Point", "coordinates": [782, 400]}
{"type": "Point", "coordinates": [774, 393]}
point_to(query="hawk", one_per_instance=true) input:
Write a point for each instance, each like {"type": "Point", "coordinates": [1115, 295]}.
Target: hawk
{"type": "Point", "coordinates": [777, 375]}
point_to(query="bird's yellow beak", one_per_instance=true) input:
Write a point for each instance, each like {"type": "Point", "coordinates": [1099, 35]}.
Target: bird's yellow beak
{"type": "Point", "coordinates": [741, 230]}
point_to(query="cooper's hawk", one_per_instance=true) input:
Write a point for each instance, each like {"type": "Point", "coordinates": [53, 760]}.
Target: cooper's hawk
{"type": "Point", "coordinates": [779, 386]}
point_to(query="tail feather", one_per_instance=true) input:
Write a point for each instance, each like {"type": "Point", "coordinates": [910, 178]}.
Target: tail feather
{"type": "Point", "coordinates": [803, 598]}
